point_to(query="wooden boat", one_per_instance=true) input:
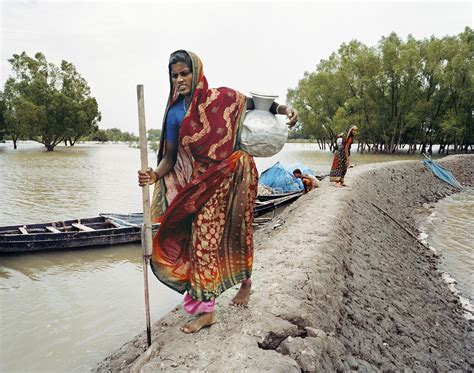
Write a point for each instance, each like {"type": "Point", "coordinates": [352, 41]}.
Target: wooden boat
{"type": "Point", "coordinates": [268, 203]}
{"type": "Point", "coordinates": [274, 197]}
{"type": "Point", "coordinates": [104, 230]}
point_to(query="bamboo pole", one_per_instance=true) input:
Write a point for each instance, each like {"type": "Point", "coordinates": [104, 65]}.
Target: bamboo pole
{"type": "Point", "coordinates": [401, 226]}
{"type": "Point", "coordinates": [146, 227]}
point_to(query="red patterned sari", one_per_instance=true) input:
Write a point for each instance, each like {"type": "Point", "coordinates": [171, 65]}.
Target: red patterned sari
{"type": "Point", "coordinates": [341, 156]}
{"type": "Point", "coordinates": [205, 205]}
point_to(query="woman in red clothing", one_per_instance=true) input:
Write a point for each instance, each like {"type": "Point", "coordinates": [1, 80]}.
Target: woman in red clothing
{"type": "Point", "coordinates": [340, 162]}
{"type": "Point", "coordinates": [205, 192]}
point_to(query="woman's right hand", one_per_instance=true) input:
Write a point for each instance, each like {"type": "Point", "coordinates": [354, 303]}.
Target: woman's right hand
{"type": "Point", "coordinates": [147, 177]}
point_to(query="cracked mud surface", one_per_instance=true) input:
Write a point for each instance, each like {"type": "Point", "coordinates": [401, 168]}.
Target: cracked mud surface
{"type": "Point", "coordinates": [337, 286]}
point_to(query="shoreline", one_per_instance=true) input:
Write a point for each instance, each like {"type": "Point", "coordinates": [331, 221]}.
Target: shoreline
{"type": "Point", "coordinates": [347, 290]}
{"type": "Point", "coordinates": [449, 279]}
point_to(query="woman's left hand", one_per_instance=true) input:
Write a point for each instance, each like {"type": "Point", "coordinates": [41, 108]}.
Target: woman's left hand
{"type": "Point", "coordinates": [292, 115]}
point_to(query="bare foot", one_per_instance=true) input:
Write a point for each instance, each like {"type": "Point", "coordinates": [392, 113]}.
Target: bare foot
{"type": "Point", "coordinates": [338, 185]}
{"type": "Point", "coordinates": [241, 299]}
{"type": "Point", "coordinates": [205, 319]}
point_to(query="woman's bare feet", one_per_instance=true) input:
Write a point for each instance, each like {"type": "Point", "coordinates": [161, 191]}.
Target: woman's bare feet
{"type": "Point", "coordinates": [241, 299]}
{"type": "Point", "coordinates": [205, 319]}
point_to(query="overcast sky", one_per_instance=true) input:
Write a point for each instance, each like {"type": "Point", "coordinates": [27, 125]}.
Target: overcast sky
{"type": "Point", "coordinates": [262, 45]}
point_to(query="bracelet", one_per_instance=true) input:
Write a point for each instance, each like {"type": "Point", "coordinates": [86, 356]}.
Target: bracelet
{"type": "Point", "coordinates": [155, 177]}
{"type": "Point", "coordinates": [276, 111]}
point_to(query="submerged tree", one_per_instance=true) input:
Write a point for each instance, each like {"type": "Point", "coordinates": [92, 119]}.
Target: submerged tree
{"type": "Point", "coordinates": [46, 103]}
{"type": "Point", "coordinates": [2, 116]}
{"type": "Point", "coordinates": [81, 113]}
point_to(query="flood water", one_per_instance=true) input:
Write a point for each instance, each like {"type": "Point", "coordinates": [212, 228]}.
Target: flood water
{"type": "Point", "coordinates": [449, 229]}
{"type": "Point", "coordinates": [65, 311]}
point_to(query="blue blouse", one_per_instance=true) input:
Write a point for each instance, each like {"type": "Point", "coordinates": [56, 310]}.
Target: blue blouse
{"type": "Point", "coordinates": [174, 118]}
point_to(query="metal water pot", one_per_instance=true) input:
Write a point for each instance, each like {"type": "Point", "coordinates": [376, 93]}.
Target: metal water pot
{"type": "Point", "coordinates": [262, 133]}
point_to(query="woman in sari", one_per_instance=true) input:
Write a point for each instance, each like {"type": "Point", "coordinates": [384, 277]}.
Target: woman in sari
{"type": "Point", "coordinates": [340, 162]}
{"type": "Point", "coordinates": [205, 190]}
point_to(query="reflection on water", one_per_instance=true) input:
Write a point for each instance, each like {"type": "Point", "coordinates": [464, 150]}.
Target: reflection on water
{"type": "Point", "coordinates": [84, 261]}
{"type": "Point", "coordinates": [64, 311]}
{"type": "Point", "coordinates": [449, 230]}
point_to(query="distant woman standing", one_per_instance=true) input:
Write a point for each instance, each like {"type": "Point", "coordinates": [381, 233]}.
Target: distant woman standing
{"type": "Point", "coordinates": [340, 162]}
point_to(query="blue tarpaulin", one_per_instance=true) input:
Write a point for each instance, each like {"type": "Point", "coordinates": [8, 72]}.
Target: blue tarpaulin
{"type": "Point", "coordinates": [442, 173]}
{"type": "Point", "coordinates": [304, 169]}
{"type": "Point", "coordinates": [279, 179]}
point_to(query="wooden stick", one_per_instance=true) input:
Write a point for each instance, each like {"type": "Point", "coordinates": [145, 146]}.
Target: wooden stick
{"type": "Point", "coordinates": [146, 227]}
{"type": "Point", "coordinates": [401, 226]}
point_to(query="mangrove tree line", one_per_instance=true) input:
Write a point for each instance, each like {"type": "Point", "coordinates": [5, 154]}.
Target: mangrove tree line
{"type": "Point", "coordinates": [414, 92]}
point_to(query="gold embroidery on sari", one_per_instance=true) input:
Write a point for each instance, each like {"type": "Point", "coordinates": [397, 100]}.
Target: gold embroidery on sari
{"type": "Point", "coordinates": [229, 109]}
{"type": "Point", "coordinates": [203, 118]}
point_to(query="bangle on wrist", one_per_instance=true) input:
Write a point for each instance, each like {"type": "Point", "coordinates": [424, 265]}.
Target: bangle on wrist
{"type": "Point", "coordinates": [153, 176]}
{"type": "Point", "coordinates": [278, 107]}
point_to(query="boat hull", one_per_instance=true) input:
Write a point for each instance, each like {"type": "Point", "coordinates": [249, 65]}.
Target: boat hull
{"type": "Point", "coordinates": [98, 231]}
{"type": "Point", "coordinates": [104, 230]}
{"type": "Point", "coordinates": [69, 240]}
{"type": "Point", "coordinates": [269, 203]}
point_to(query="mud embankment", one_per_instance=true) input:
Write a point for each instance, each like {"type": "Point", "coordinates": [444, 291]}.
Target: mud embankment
{"type": "Point", "coordinates": [337, 285]}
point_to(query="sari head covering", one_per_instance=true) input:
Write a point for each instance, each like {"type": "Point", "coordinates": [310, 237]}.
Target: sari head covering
{"type": "Point", "coordinates": [207, 134]}
{"type": "Point", "coordinates": [205, 204]}
{"type": "Point", "coordinates": [349, 131]}
{"type": "Point", "coordinates": [341, 155]}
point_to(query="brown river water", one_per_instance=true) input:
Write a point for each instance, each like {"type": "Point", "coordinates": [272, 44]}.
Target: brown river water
{"type": "Point", "coordinates": [449, 231]}
{"type": "Point", "coordinates": [65, 311]}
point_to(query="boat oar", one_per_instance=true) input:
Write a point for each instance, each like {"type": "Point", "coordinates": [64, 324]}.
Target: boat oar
{"type": "Point", "coordinates": [146, 227]}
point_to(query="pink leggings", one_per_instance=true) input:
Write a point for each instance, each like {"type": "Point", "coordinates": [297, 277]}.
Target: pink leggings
{"type": "Point", "coordinates": [193, 306]}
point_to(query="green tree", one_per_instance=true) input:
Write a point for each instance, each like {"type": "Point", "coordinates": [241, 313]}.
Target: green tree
{"type": "Point", "coordinates": [359, 65]}
{"type": "Point", "coordinates": [18, 113]}
{"type": "Point", "coordinates": [399, 92]}
{"type": "Point", "coordinates": [79, 112]}
{"type": "Point", "coordinates": [2, 116]}
{"type": "Point", "coordinates": [114, 134]}
{"type": "Point", "coordinates": [154, 138]}
{"type": "Point", "coordinates": [99, 135]}
{"type": "Point", "coordinates": [456, 127]}
{"type": "Point", "coordinates": [431, 104]}
{"type": "Point", "coordinates": [153, 134]}
{"type": "Point", "coordinates": [47, 104]}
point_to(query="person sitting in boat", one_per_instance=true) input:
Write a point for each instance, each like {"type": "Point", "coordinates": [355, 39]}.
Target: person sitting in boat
{"type": "Point", "coordinates": [308, 182]}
